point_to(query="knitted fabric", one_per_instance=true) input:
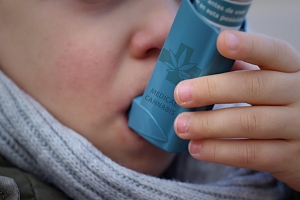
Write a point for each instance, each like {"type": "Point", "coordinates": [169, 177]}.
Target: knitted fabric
{"type": "Point", "coordinates": [34, 141]}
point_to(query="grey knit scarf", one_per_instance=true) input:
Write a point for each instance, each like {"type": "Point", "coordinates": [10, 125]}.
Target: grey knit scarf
{"type": "Point", "coordinates": [34, 141]}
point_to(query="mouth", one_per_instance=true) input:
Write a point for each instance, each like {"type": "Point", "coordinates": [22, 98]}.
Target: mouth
{"type": "Point", "coordinates": [134, 133]}
{"type": "Point", "coordinates": [127, 113]}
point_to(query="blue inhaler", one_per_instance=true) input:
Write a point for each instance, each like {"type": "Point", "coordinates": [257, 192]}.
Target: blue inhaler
{"type": "Point", "coordinates": [188, 52]}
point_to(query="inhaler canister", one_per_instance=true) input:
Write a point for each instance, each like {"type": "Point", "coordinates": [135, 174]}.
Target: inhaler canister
{"type": "Point", "coordinates": [188, 52]}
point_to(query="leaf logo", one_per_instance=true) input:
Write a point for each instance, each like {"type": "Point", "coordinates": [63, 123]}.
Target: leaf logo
{"type": "Point", "coordinates": [178, 65]}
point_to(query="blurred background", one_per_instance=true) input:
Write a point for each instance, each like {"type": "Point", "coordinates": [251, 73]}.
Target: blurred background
{"type": "Point", "coordinates": [278, 18]}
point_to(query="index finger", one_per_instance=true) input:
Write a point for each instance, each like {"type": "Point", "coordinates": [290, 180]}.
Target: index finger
{"type": "Point", "coordinates": [266, 52]}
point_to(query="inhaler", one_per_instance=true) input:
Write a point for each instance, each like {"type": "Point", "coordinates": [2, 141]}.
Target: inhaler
{"type": "Point", "coordinates": [188, 52]}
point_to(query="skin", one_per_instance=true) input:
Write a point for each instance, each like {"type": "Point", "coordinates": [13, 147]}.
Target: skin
{"type": "Point", "coordinates": [84, 61]}
{"type": "Point", "coordinates": [270, 128]}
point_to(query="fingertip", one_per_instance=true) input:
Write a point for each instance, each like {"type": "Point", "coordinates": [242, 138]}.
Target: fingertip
{"type": "Point", "coordinates": [228, 43]}
{"type": "Point", "coordinates": [183, 93]}
{"type": "Point", "coordinates": [232, 41]}
{"type": "Point", "coordinates": [194, 148]}
{"type": "Point", "coordinates": [181, 124]}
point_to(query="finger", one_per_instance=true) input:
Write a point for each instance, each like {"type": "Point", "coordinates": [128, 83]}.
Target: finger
{"type": "Point", "coordinates": [266, 52]}
{"type": "Point", "coordinates": [257, 87]}
{"type": "Point", "coordinates": [255, 122]}
{"type": "Point", "coordinates": [261, 155]}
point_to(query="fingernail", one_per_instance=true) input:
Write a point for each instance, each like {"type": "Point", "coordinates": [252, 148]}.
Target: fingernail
{"type": "Point", "coordinates": [182, 124]}
{"type": "Point", "coordinates": [195, 147]}
{"type": "Point", "coordinates": [184, 92]}
{"type": "Point", "coordinates": [232, 41]}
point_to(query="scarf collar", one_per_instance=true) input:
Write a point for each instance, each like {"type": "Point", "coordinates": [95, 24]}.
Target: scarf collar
{"type": "Point", "coordinates": [34, 141]}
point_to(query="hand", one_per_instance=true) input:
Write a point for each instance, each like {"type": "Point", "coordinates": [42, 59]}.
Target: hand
{"type": "Point", "coordinates": [269, 130]}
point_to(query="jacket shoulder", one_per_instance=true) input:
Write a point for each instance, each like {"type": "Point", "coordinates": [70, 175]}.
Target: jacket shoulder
{"type": "Point", "coordinates": [14, 181]}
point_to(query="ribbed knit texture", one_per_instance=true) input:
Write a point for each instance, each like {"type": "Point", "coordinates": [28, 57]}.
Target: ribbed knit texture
{"type": "Point", "coordinates": [33, 140]}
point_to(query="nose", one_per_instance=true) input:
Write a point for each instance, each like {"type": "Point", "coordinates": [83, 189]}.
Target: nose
{"type": "Point", "coordinates": [150, 35]}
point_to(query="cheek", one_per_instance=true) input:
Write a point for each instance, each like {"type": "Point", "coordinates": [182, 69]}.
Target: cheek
{"type": "Point", "coordinates": [82, 70]}
{"type": "Point", "coordinates": [81, 82]}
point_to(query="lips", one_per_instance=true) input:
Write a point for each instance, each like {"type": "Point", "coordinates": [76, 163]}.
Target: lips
{"type": "Point", "coordinates": [127, 107]}
{"type": "Point", "coordinates": [126, 113]}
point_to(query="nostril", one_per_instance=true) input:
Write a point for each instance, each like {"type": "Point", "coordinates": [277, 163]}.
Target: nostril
{"type": "Point", "coordinates": [154, 52]}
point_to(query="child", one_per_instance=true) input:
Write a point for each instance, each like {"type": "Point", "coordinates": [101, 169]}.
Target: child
{"type": "Point", "coordinates": [69, 71]}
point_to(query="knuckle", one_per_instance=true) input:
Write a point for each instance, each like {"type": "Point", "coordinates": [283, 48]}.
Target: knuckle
{"type": "Point", "coordinates": [253, 83]}
{"type": "Point", "coordinates": [248, 122]}
{"type": "Point", "coordinates": [247, 153]}
{"type": "Point", "coordinates": [281, 50]}
{"type": "Point", "coordinates": [205, 125]}
{"type": "Point", "coordinates": [214, 152]}
{"type": "Point", "coordinates": [277, 47]}
{"type": "Point", "coordinates": [251, 48]}
{"type": "Point", "coordinates": [211, 88]}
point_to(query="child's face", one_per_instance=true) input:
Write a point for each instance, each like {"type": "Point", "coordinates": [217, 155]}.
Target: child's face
{"type": "Point", "coordinates": [85, 60]}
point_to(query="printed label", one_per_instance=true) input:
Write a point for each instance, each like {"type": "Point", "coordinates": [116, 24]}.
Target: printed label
{"type": "Point", "coordinates": [161, 101]}
{"type": "Point", "coordinates": [223, 14]}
